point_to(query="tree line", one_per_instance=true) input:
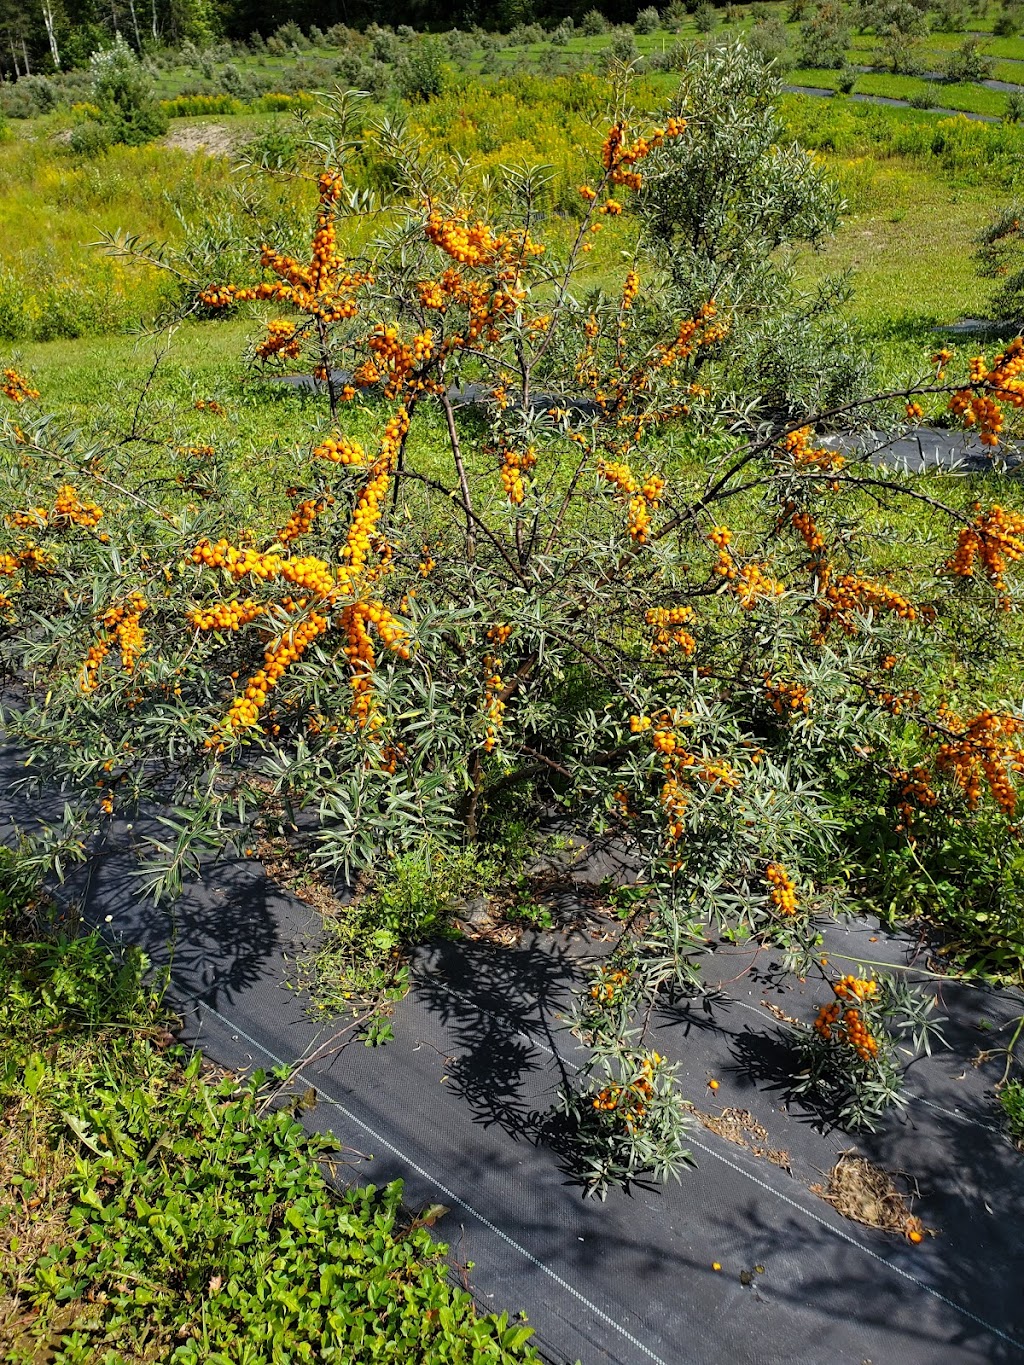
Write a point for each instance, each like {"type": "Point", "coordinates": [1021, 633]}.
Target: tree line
{"type": "Point", "coordinates": [46, 35]}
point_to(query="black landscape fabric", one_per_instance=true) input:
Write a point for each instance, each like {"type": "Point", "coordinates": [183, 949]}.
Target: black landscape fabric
{"type": "Point", "coordinates": [458, 1106]}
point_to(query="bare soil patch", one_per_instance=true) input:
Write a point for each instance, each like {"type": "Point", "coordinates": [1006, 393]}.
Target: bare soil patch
{"type": "Point", "coordinates": [212, 138]}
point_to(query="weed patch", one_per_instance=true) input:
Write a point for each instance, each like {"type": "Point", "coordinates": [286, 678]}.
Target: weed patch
{"type": "Point", "coordinates": [154, 1209]}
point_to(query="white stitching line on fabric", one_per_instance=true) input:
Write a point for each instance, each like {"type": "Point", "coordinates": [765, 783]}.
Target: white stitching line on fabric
{"type": "Point", "coordinates": [838, 1232]}
{"type": "Point", "coordinates": [809, 1213]}
{"type": "Point", "coordinates": [448, 1194]}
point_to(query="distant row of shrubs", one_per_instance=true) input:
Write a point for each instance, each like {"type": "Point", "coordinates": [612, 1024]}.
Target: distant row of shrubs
{"type": "Point", "coordinates": [379, 59]}
{"type": "Point", "coordinates": [401, 63]}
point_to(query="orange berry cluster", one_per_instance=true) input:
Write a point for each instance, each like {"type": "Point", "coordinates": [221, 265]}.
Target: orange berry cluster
{"type": "Point", "coordinates": [668, 623]}
{"type": "Point", "coordinates": [609, 985]}
{"type": "Point", "coordinates": [913, 793]}
{"type": "Point", "coordinates": [941, 359]}
{"type": "Point", "coordinates": [475, 244]}
{"type": "Point", "coordinates": [848, 1023]}
{"type": "Point", "coordinates": [514, 464]}
{"type": "Point", "coordinates": [245, 709]}
{"type": "Point", "coordinates": [317, 577]}
{"type": "Point", "coordinates": [226, 615]}
{"type": "Point", "coordinates": [324, 260]}
{"type": "Point", "coordinates": [619, 156]}
{"type": "Point", "coordinates": [395, 358]}
{"type": "Point", "coordinates": [845, 1023]}
{"type": "Point", "coordinates": [797, 446]}
{"type": "Point", "coordinates": [34, 517]}
{"type": "Point", "coordinates": [486, 300]}
{"type": "Point", "coordinates": [978, 404]}
{"type": "Point", "coordinates": [197, 452]}
{"type": "Point", "coordinates": [630, 289]}
{"type": "Point", "coordinates": [914, 411]}
{"type": "Point", "coordinates": [390, 756]}
{"type": "Point", "coordinates": [210, 405]}
{"type": "Point", "coordinates": [804, 524]}
{"type": "Point", "coordinates": [855, 988]}
{"type": "Point", "coordinates": [280, 340]}
{"type": "Point", "coordinates": [783, 888]}
{"type": "Point", "coordinates": [631, 1102]}
{"type": "Point", "coordinates": [753, 584]}
{"type": "Point", "coordinates": [678, 763]}
{"type": "Point", "coordinates": [996, 539]}
{"type": "Point", "coordinates": [340, 450]}
{"type": "Point", "coordinates": [846, 1026]}
{"type": "Point", "coordinates": [120, 626]}
{"type": "Point", "coordinates": [784, 697]}
{"type": "Point", "coordinates": [314, 575]}
{"type": "Point", "coordinates": [31, 556]}
{"type": "Point", "coordinates": [16, 387]}
{"type": "Point", "coordinates": [750, 582]}
{"type": "Point", "coordinates": [983, 748]}
{"type": "Point", "coordinates": [641, 498]}
{"type": "Point", "coordinates": [70, 508]}
{"type": "Point", "coordinates": [302, 519]}
{"type": "Point", "coordinates": [692, 333]}
{"type": "Point", "coordinates": [370, 503]}
{"type": "Point", "coordinates": [34, 558]}
{"type": "Point", "coordinates": [494, 704]}
{"type": "Point", "coordinates": [721, 538]}
{"type": "Point", "coordinates": [893, 702]}
{"type": "Point", "coordinates": [359, 650]}
{"type": "Point", "coordinates": [322, 289]}
{"type": "Point", "coordinates": [851, 594]}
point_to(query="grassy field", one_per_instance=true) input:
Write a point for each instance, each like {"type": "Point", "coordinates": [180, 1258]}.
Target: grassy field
{"type": "Point", "coordinates": [918, 190]}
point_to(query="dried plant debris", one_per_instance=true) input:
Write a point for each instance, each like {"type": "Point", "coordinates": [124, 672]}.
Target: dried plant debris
{"type": "Point", "coordinates": [780, 1014]}
{"type": "Point", "coordinates": [740, 1126]}
{"type": "Point", "coordinates": [285, 865]}
{"type": "Point", "coordinates": [865, 1193]}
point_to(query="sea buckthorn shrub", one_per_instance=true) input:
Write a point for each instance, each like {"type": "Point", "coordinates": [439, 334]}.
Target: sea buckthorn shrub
{"type": "Point", "coordinates": [627, 1118]}
{"type": "Point", "coordinates": [1001, 259]}
{"type": "Point", "coordinates": [536, 544]}
{"type": "Point", "coordinates": [721, 210]}
{"type": "Point", "coordinates": [846, 1058]}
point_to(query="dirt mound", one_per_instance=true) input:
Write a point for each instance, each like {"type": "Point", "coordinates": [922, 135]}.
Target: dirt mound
{"type": "Point", "coordinates": [212, 138]}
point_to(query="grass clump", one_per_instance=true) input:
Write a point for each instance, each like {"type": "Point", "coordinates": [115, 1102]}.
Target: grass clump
{"type": "Point", "coordinates": [1011, 1101]}
{"type": "Point", "coordinates": [364, 959]}
{"type": "Point", "coordinates": [154, 1210]}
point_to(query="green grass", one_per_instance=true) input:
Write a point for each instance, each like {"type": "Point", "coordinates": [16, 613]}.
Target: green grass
{"type": "Point", "coordinates": [915, 182]}
{"type": "Point", "coordinates": [51, 281]}
{"type": "Point", "coordinates": [908, 242]}
{"type": "Point", "coordinates": [909, 247]}
{"type": "Point", "coordinates": [152, 1208]}
{"type": "Point", "coordinates": [1011, 1101]}
{"type": "Point", "coordinates": [968, 99]}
